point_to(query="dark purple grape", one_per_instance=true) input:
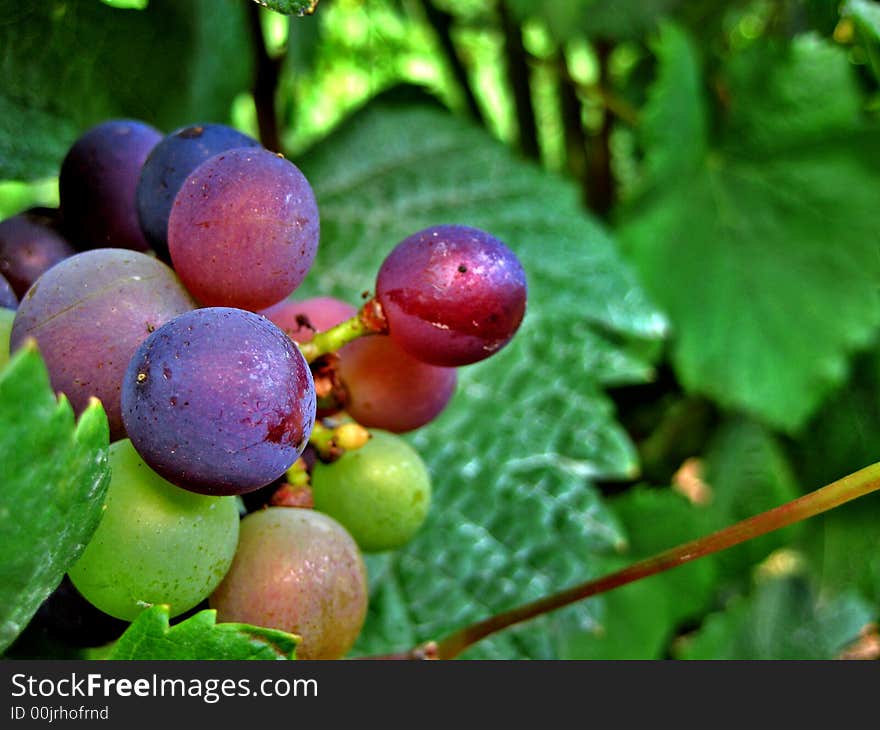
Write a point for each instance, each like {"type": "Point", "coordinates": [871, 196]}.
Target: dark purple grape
{"type": "Point", "coordinates": [68, 617]}
{"type": "Point", "coordinates": [8, 300]}
{"type": "Point", "coordinates": [389, 389]}
{"type": "Point", "coordinates": [97, 185]}
{"type": "Point", "coordinates": [89, 313]}
{"type": "Point", "coordinates": [219, 401]}
{"type": "Point", "coordinates": [452, 295]}
{"type": "Point", "coordinates": [243, 230]}
{"type": "Point", "coordinates": [30, 243]}
{"type": "Point", "coordinates": [169, 164]}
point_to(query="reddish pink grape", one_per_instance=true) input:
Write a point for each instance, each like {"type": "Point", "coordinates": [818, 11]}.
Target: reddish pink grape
{"type": "Point", "coordinates": [299, 571]}
{"type": "Point", "coordinates": [89, 313]}
{"type": "Point", "coordinates": [219, 401]}
{"type": "Point", "coordinates": [321, 313]}
{"type": "Point", "coordinates": [97, 185]}
{"type": "Point", "coordinates": [453, 295]}
{"type": "Point", "coordinates": [169, 164]}
{"type": "Point", "coordinates": [389, 389]}
{"type": "Point", "coordinates": [243, 230]}
{"type": "Point", "coordinates": [30, 243]}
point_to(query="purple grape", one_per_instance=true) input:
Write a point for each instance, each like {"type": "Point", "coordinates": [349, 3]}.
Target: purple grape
{"type": "Point", "coordinates": [243, 230]}
{"type": "Point", "coordinates": [453, 295]}
{"type": "Point", "coordinates": [97, 185]}
{"type": "Point", "coordinates": [30, 243]}
{"type": "Point", "coordinates": [89, 313]}
{"type": "Point", "coordinates": [219, 401]}
{"type": "Point", "coordinates": [169, 164]}
{"type": "Point", "coordinates": [8, 300]}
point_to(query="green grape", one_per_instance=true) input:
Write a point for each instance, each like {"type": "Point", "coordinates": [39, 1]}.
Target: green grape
{"type": "Point", "coordinates": [156, 543]}
{"type": "Point", "coordinates": [380, 492]}
{"type": "Point", "coordinates": [6, 317]}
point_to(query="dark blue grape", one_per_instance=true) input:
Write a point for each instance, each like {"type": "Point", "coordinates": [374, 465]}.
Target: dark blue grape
{"type": "Point", "coordinates": [97, 184]}
{"type": "Point", "coordinates": [219, 401]}
{"type": "Point", "coordinates": [169, 164]}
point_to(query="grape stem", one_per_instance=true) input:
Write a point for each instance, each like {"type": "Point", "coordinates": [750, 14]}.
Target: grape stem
{"type": "Point", "coordinates": [850, 487]}
{"type": "Point", "coordinates": [370, 320]}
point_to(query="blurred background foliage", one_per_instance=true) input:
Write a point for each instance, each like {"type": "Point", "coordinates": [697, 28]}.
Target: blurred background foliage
{"type": "Point", "coordinates": [731, 149]}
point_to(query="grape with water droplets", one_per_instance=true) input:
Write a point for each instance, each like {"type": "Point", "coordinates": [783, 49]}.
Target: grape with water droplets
{"type": "Point", "coordinates": [219, 401]}
{"type": "Point", "coordinates": [299, 571]}
{"type": "Point", "coordinates": [243, 229]}
{"type": "Point", "coordinates": [452, 295]}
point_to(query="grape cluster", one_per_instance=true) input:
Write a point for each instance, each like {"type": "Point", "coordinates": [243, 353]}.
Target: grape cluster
{"type": "Point", "coordinates": [255, 438]}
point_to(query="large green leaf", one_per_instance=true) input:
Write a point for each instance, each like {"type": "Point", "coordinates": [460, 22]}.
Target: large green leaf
{"type": "Point", "coordinates": [69, 64]}
{"type": "Point", "coordinates": [514, 514]}
{"type": "Point", "coordinates": [54, 476]}
{"type": "Point", "coordinates": [763, 250]}
{"type": "Point", "coordinates": [783, 618]}
{"type": "Point", "coordinates": [199, 637]}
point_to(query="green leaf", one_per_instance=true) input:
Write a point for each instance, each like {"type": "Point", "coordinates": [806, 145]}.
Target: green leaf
{"type": "Point", "coordinates": [865, 13]}
{"type": "Point", "coordinates": [290, 7]}
{"type": "Point", "coordinates": [783, 619]}
{"type": "Point", "coordinates": [638, 620]}
{"type": "Point", "coordinates": [514, 514]}
{"type": "Point", "coordinates": [747, 473]}
{"type": "Point", "coordinates": [674, 119]}
{"type": "Point", "coordinates": [763, 250]}
{"type": "Point", "coordinates": [199, 637]}
{"type": "Point", "coordinates": [68, 65]}
{"type": "Point", "coordinates": [55, 476]}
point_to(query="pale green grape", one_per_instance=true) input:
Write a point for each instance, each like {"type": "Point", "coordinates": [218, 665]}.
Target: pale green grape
{"type": "Point", "coordinates": [380, 492]}
{"type": "Point", "coordinates": [156, 543]}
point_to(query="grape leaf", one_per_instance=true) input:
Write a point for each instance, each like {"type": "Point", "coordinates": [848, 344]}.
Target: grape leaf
{"type": "Point", "coordinates": [290, 7]}
{"type": "Point", "coordinates": [762, 250]}
{"type": "Point", "coordinates": [199, 637]}
{"type": "Point", "coordinates": [782, 619]}
{"type": "Point", "coordinates": [514, 514]}
{"type": "Point", "coordinates": [55, 475]}
{"type": "Point", "coordinates": [68, 65]}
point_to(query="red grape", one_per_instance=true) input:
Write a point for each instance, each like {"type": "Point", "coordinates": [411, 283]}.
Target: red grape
{"type": "Point", "coordinates": [30, 243]}
{"type": "Point", "coordinates": [452, 295]}
{"type": "Point", "coordinates": [243, 229]}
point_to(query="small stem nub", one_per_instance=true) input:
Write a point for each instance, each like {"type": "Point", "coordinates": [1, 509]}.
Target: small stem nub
{"type": "Point", "coordinates": [370, 320]}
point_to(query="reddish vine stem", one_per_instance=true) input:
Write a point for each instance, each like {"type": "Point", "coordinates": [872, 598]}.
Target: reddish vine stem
{"type": "Point", "coordinates": [857, 484]}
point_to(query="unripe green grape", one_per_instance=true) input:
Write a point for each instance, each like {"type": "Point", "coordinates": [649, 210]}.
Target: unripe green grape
{"type": "Point", "coordinates": [380, 492]}
{"type": "Point", "coordinates": [156, 543]}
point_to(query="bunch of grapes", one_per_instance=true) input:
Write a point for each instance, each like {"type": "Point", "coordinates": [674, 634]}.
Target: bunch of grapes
{"type": "Point", "coordinates": [255, 439]}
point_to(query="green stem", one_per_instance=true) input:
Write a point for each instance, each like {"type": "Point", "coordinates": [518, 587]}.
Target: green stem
{"type": "Point", "coordinates": [833, 495]}
{"type": "Point", "coordinates": [368, 321]}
